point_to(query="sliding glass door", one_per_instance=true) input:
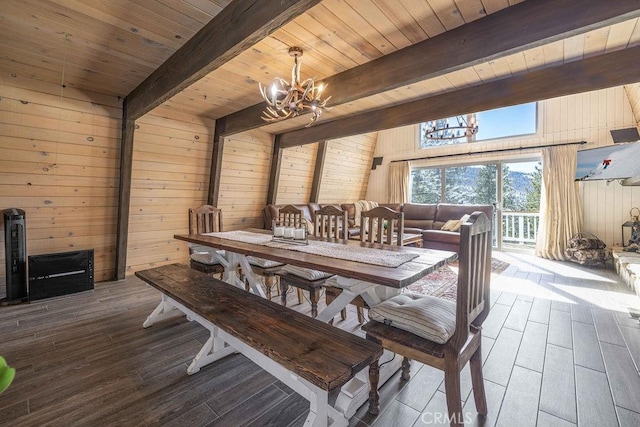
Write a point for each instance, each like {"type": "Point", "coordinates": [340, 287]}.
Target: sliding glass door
{"type": "Point", "coordinates": [512, 187]}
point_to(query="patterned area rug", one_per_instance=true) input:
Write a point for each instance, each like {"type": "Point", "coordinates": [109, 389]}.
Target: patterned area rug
{"type": "Point", "coordinates": [442, 283]}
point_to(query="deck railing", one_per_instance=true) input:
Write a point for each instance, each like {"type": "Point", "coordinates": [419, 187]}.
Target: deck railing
{"type": "Point", "coordinates": [520, 227]}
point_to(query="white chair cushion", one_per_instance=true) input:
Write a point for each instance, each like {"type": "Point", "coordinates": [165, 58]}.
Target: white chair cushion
{"type": "Point", "coordinates": [205, 257]}
{"type": "Point", "coordinates": [306, 273]}
{"type": "Point", "coordinates": [428, 317]}
{"type": "Point", "coordinates": [261, 262]}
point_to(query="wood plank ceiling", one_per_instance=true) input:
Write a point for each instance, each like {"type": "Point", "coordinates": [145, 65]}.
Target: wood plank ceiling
{"type": "Point", "coordinates": [113, 46]}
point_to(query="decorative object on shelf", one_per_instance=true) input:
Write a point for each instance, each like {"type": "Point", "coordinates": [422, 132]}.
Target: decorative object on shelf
{"type": "Point", "coordinates": [441, 129]}
{"type": "Point", "coordinates": [634, 213]}
{"type": "Point", "coordinates": [286, 99]}
{"type": "Point", "coordinates": [632, 244]}
{"type": "Point", "coordinates": [290, 233]}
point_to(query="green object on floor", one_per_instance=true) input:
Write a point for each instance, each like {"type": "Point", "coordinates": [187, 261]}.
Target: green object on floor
{"type": "Point", "coordinates": [6, 374]}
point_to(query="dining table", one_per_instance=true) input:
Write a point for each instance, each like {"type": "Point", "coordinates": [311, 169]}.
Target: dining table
{"type": "Point", "coordinates": [373, 271]}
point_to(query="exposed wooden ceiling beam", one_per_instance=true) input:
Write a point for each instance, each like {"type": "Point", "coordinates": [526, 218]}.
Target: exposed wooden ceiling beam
{"type": "Point", "coordinates": [220, 40]}
{"type": "Point", "coordinates": [510, 30]}
{"type": "Point", "coordinates": [599, 72]}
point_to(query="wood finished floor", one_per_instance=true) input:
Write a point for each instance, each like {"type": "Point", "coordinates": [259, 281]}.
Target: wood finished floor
{"type": "Point", "coordinates": [559, 350]}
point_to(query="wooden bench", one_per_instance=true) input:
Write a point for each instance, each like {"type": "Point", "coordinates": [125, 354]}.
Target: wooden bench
{"type": "Point", "coordinates": [311, 357]}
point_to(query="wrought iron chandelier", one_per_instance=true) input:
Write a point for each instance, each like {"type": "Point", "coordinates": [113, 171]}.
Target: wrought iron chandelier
{"type": "Point", "coordinates": [286, 99]}
{"type": "Point", "coordinates": [464, 127]}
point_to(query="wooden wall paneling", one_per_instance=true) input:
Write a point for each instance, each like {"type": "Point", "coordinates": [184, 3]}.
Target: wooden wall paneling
{"type": "Point", "coordinates": [25, 88]}
{"type": "Point", "coordinates": [347, 169]}
{"type": "Point", "coordinates": [595, 114]}
{"type": "Point", "coordinates": [296, 174]}
{"type": "Point", "coordinates": [167, 179]}
{"type": "Point", "coordinates": [244, 185]}
{"type": "Point", "coordinates": [60, 164]}
{"type": "Point", "coordinates": [633, 93]}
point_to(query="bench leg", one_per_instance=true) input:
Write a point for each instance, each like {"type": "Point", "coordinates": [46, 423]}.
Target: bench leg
{"type": "Point", "coordinates": [212, 351]}
{"type": "Point", "coordinates": [164, 310]}
{"type": "Point", "coordinates": [318, 409]}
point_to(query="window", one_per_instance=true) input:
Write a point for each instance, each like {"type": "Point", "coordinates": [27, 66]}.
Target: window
{"type": "Point", "coordinates": [492, 124]}
{"type": "Point", "coordinates": [426, 185]}
{"type": "Point", "coordinates": [512, 187]}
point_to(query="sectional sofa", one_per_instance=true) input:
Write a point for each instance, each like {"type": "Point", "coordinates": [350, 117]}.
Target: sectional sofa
{"type": "Point", "coordinates": [425, 219]}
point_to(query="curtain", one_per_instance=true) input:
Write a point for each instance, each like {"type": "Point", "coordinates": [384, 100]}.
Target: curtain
{"type": "Point", "coordinates": [560, 204]}
{"type": "Point", "coordinates": [398, 182]}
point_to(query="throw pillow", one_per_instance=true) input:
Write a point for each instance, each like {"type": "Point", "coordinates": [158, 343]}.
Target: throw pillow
{"type": "Point", "coordinates": [460, 222]}
{"type": "Point", "coordinates": [449, 225]}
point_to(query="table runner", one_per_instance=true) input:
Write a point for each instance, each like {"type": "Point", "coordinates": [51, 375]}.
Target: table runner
{"type": "Point", "coordinates": [372, 256]}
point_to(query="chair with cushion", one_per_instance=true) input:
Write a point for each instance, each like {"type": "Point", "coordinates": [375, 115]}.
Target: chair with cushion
{"type": "Point", "coordinates": [288, 216]}
{"type": "Point", "coordinates": [438, 332]}
{"type": "Point", "coordinates": [378, 225]}
{"type": "Point", "coordinates": [205, 219]}
{"type": "Point", "coordinates": [300, 277]}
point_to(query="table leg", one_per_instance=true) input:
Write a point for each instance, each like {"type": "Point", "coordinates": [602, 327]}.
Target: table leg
{"type": "Point", "coordinates": [356, 287]}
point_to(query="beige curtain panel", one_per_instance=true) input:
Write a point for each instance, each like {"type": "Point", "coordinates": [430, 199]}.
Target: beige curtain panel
{"type": "Point", "coordinates": [560, 204]}
{"type": "Point", "coordinates": [398, 182]}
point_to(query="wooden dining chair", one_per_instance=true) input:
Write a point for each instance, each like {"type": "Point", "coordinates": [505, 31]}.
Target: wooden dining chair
{"type": "Point", "coordinates": [331, 222]}
{"type": "Point", "coordinates": [271, 271]}
{"type": "Point", "coordinates": [204, 219]}
{"type": "Point", "coordinates": [378, 225]}
{"type": "Point", "coordinates": [382, 225]}
{"type": "Point", "coordinates": [438, 332]}
{"type": "Point", "coordinates": [299, 277]}
{"type": "Point", "coordinates": [290, 216]}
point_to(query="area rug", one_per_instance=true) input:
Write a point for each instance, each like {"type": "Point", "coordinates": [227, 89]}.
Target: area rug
{"type": "Point", "coordinates": [442, 283]}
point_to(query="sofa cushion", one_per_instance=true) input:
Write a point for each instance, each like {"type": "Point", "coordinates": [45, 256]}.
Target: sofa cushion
{"type": "Point", "coordinates": [447, 211]}
{"type": "Point", "coordinates": [426, 316]}
{"type": "Point", "coordinates": [419, 211]}
{"type": "Point", "coordinates": [450, 237]}
{"type": "Point", "coordinates": [418, 217]}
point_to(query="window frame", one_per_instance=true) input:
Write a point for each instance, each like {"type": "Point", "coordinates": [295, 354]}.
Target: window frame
{"type": "Point", "coordinates": [473, 139]}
